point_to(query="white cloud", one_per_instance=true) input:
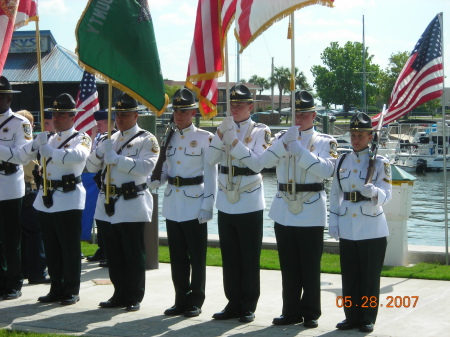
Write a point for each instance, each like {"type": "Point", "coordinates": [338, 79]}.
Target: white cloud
{"type": "Point", "coordinates": [53, 7]}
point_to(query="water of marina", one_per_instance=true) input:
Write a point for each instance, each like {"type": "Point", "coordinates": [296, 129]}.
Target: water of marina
{"type": "Point", "coordinates": [425, 225]}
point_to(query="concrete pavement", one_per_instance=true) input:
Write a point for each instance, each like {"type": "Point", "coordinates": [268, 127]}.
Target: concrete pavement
{"type": "Point", "coordinates": [430, 317]}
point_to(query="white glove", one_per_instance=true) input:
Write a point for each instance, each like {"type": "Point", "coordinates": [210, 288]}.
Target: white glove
{"type": "Point", "coordinates": [226, 124]}
{"type": "Point", "coordinates": [229, 136]}
{"type": "Point", "coordinates": [333, 231]}
{"type": "Point", "coordinates": [100, 151]}
{"type": "Point", "coordinates": [108, 145]}
{"type": "Point", "coordinates": [40, 139]}
{"type": "Point", "coordinates": [111, 157]}
{"type": "Point", "coordinates": [369, 191]}
{"type": "Point", "coordinates": [290, 135]}
{"type": "Point", "coordinates": [46, 151]}
{"type": "Point", "coordinates": [204, 216]}
{"type": "Point", "coordinates": [153, 185]}
{"type": "Point", "coordinates": [295, 148]}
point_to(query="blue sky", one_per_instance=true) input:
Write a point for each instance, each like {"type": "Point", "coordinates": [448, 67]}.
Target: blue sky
{"type": "Point", "coordinates": [390, 26]}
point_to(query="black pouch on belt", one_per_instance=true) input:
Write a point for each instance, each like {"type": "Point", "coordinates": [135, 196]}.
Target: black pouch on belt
{"type": "Point", "coordinates": [68, 182]}
{"type": "Point", "coordinates": [129, 190]}
{"type": "Point", "coordinates": [48, 199]}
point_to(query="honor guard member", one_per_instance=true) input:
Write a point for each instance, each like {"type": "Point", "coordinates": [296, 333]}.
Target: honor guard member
{"type": "Point", "coordinates": [357, 218]}
{"type": "Point", "coordinates": [188, 205]}
{"type": "Point", "coordinates": [59, 211]}
{"type": "Point", "coordinates": [304, 158]}
{"type": "Point", "coordinates": [237, 146]}
{"type": "Point", "coordinates": [15, 132]}
{"type": "Point", "coordinates": [101, 117]}
{"type": "Point", "coordinates": [132, 154]}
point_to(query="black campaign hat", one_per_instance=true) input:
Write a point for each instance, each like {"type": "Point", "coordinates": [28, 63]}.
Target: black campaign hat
{"type": "Point", "coordinates": [240, 93]}
{"type": "Point", "coordinates": [48, 114]}
{"type": "Point", "coordinates": [126, 103]}
{"type": "Point", "coordinates": [304, 102]}
{"type": "Point", "coordinates": [184, 99]}
{"type": "Point", "coordinates": [361, 122]}
{"type": "Point", "coordinates": [64, 103]}
{"type": "Point", "coordinates": [5, 86]}
{"type": "Point", "coordinates": [102, 114]}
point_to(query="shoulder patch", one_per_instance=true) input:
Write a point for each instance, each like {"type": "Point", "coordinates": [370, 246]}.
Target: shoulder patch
{"type": "Point", "coordinates": [86, 141]}
{"type": "Point", "coordinates": [267, 137]}
{"type": "Point", "coordinates": [387, 169]}
{"type": "Point", "coordinates": [155, 145]}
{"type": "Point", "coordinates": [27, 131]}
{"type": "Point", "coordinates": [333, 149]}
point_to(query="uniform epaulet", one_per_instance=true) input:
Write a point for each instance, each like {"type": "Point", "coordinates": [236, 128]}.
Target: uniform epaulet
{"type": "Point", "coordinates": [260, 125]}
{"type": "Point", "coordinates": [324, 135]}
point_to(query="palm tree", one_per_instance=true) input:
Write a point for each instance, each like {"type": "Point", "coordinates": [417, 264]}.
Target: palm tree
{"type": "Point", "coordinates": [280, 78]}
{"type": "Point", "coordinates": [261, 82]}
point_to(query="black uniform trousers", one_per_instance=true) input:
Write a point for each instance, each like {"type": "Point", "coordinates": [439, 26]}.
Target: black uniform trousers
{"type": "Point", "coordinates": [33, 254]}
{"type": "Point", "coordinates": [10, 235]}
{"type": "Point", "coordinates": [240, 243]}
{"type": "Point", "coordinates": [187, 248]}
{"type": "Point", "coordinates": [300, 251]}
{"type": "Point", "coordinates": [361, 264]}
{"type": "Point", "coordinates": [61, 232]}
{"type": "Point", "coordinates": [126, 257]}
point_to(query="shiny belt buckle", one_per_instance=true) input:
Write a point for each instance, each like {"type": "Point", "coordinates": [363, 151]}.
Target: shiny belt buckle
{"type": "Point", "coordinates": [49, 184]}
{"type": "Point", "coordinates": [232, 171]}
{"type": "Point", "coordinates": [176, 181]}
{"type": "Point", "coordinates": [112, 189]}
{"type": "Point", "coordinates": [353, 196]}
{"type": "Point", "coordinates": [290, 187]}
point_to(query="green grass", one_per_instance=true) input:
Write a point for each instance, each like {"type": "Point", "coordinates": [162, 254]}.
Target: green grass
{"type": "Point", "coordinates": [16, 333]}
{"type": "Point", "coordinates": [330, 263]}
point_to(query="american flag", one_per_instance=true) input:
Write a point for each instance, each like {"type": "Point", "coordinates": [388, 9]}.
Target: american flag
{"type": "Point", "coordinates": [422, 77]}
{"type": "Point", "coordinates": [205, 63]}
{"type": "Point", "coordinates": [87, 99]}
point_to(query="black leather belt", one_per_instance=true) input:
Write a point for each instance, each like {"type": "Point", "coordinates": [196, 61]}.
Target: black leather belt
{"type": "Point", "coordinates": [114, 190]}
{"type": "Point", "coordinates": [315, 187]}
{"type": "Point", "coordinates": [179, 181]}
{"type": "Point", "coordinates": [4, 166]}
{"type": "Point", "coordinates": [238, 171]}
{"type": "Point", "coordinates": [355, 196]}
{"type": "Point", "coordinates": [60, 184]}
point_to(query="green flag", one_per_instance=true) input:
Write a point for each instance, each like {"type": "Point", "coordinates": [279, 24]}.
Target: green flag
{"type": "Point", "coordinates": [116, 42]}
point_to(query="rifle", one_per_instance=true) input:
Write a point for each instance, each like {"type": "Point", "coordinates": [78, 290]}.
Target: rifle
{"type": "Point", "coordinates": [165, 140]}
{"type": "Point", "coordinates": [374, 149]}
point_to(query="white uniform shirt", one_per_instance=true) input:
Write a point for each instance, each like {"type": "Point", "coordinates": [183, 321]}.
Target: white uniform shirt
{"type": "Point", "coordinates": [136, 163]}
{"type": "Point", "coordinates": [13, 135]}
{"type": "Point", "coordinates": [185, 158]}
{"type": "Point", "coordinates": [246, 153]}
{"type": "Point", "coordinates": [365, 219]}
{"type": "Point", "coordinates": [316, 165]}
{"type": "Point", "coordinates": [70, 159]}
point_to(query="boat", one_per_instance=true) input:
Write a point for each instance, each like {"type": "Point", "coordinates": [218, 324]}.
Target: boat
{"type": "Point", "coordinates": [424, 153]}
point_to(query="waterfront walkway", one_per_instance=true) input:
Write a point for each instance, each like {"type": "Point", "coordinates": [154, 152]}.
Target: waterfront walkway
{"type": "Point", "coordinates": [430, 317]}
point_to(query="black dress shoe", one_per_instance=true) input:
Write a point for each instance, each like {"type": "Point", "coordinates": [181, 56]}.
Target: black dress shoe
{"type": "Point", "coordinates": [192, 311]}
{"type": "Point", "coordinates": [111, 303]}
{"type": "Point", "coordinates": [345, 325]}
{"type": "Point", "coordinates": [286, 320]}
{"type": "Point", "coordinates": [311, 323]}
{"type": "Point", "coordinates": [175, 310]}
{"type": "Point", "coordinates": [103, 263]}
{"type": "Point", "coordinates": [69, 299]}
{"type": "Point", "coordinates": [133, 306]}
{"type": "Point", "coordinates": [247, 317]}
{"type": "Point", "coordinates": [39, 280]}
{"type": "Point", "coordinates": [49, 298]}
{"type": "Point", "coordinates": [94, 258]}
{"type": "Point", "coordinates": [12, 295]}
{"type": "Point", "coordinates": [225, 314]}
{"type": "Point", "coordinates": [366, 327]}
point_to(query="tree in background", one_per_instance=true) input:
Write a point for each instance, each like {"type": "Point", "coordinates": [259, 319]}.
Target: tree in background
{"type": "Point", "coordinates": [387, 77]}
{"type": "Point", "coordinates": [261, 82]}
{"type": "Point", "coordinates": [170, 89]}
{"type": "Point", "coordinates": [280, 79]}
{"type": "Point", "coordinates": [340, 81]}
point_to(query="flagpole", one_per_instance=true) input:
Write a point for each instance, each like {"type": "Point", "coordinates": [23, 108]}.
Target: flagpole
{"type": "Point", "coordinates": [108, 167]}
{"type": "Point", "coordinates": [444, 142]}
{"type": "Point", "coordinates": [227, 79]}
{"type": "Point", "coordinates": [41, 100]}
{"type": "Point", "coordinates": [291, 35]}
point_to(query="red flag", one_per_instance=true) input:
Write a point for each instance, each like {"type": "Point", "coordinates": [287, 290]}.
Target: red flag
{"type": "Point", "coordinates": [27, 12]}
{"type": "Point", "coordinates": [254, 17]}
{"type": "Point", "coordinates": [206, 61]}
{"type": "Point", "coordinates": [422, 77]}
{"type": "Point", "coordinates": [13, 14]}
{"type": "Point", "coordinates": [87, 99]}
